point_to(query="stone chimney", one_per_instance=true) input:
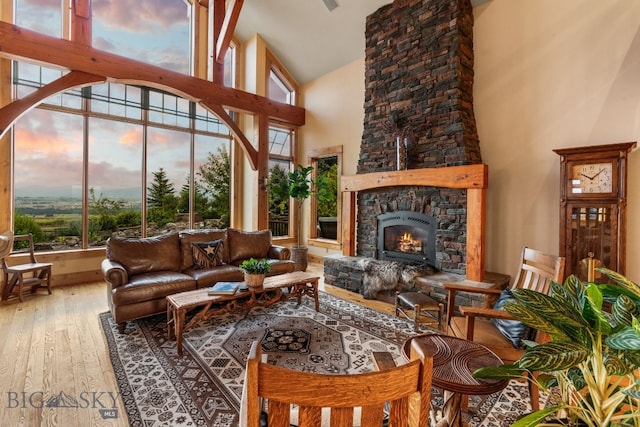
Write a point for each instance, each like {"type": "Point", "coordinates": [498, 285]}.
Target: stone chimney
{"type": "Point", "coordinates": [419, 84]}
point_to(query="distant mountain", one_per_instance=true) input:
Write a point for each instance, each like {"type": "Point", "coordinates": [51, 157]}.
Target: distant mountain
{"type": "Point", "coordinates": [76, 192]}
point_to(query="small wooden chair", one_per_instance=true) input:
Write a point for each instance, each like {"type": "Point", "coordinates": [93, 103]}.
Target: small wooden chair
{"type": "Point", "coordinates": [537, 270]}
{"type": "Point", "coordinates": [32, 275]}
{"type": "Point", "coordinates": [406, 388]}
{"type": "Point", "coordinates": [420, 308]}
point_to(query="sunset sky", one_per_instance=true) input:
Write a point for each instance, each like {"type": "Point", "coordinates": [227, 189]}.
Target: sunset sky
{"type": "Point", "coordinates": [48, 145]}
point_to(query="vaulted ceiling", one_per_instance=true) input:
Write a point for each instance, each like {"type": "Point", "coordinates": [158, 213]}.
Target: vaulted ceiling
{"type": "Point", "coordinates": [308, 38]}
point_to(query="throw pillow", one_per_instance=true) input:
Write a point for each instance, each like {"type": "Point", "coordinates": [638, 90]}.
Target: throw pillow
{"type": "Point", "coordinates": [248, 244]}
{"type": "Point", "coordinates": [206, 254]}
{"type": "Point", "coordinates": [514, 330]}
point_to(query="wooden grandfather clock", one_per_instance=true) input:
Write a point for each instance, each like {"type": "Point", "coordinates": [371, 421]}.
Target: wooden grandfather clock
{"type": "Point", "coordinates": [593, 202]}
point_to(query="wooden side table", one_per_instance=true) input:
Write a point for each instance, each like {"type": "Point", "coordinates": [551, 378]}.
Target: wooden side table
{"type": "Point", "coordinates": [454, 361]}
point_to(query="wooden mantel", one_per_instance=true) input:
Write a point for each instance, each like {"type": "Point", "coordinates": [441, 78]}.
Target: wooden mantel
{"type": "Point", "coordinates": [474, 178]}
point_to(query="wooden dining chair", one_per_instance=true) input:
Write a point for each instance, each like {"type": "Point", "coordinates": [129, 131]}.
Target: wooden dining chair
{"type": "Point", "coordinates": [30, 275]}
{"type": "Point", "coordinates": [537, 270]}
{"type": "Point", "coordinates": [405, 390]}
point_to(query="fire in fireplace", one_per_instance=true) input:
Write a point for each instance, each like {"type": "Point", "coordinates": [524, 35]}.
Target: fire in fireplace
{"type": "Point", "coordinates": [407, 236]}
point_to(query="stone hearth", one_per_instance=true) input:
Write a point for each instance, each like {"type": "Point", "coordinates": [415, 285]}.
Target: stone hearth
{"type": "Point", "coordinates": [347, 272]}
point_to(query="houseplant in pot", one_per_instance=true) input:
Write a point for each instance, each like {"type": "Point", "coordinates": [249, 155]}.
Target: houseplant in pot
{"type": "Point", "coordinates": [255, 271]}
{"type": "Point", "coordinates": [301, 187]}
{"type": "Point", "coordinates": [593, 357]}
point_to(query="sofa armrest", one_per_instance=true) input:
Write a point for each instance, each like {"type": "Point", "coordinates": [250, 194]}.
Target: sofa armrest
{"type": "Point", "coordinates": [279, 252]}
{"type": "Point", "coordinates": [114, 273]}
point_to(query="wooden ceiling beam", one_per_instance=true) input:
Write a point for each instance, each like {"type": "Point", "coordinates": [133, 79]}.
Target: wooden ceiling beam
{"type": "Point", "coordinates": [19, 43]}
{"type": "Point", "coordinates": [12, 111]}
{"type": "Point", "coordinates": [248, 149]}
{"type": "Point", "coordinates": [81, 21]}
{"type": "Point", "coordinates": [223, 39]}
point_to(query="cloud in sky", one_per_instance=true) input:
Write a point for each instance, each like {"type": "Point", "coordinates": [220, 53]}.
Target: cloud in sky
{"type": "Point", "coordinates": [42, 133]}
{"type": "Point", "coordinates": [140, 15]}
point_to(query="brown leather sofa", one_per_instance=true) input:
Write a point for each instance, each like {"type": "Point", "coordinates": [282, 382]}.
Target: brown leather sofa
{"type": "Point", "coordinates": [140, 273]}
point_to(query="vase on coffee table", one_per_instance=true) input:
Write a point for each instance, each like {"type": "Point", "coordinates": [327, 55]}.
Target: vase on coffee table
{"type": "Point", "coordinates": [254, 280]}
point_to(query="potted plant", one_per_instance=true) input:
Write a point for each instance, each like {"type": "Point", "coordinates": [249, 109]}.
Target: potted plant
{"type": "Point", "coordinates": [300, 188]}
{"type": "Point", "coordinates": [255, 271]}
{"type": "Point", "coordinates": [593, 356]}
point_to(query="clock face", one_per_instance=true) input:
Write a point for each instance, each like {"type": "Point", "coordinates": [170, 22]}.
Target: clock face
{"type": "Point", "coordinates": [592, 178]}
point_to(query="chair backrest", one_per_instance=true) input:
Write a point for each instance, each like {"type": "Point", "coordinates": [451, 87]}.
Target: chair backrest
{"type": "Point", "coordinates": [6, 243]}
{"type": "Point", "coordinates": [18, 238]}
{"type": "Point", "coordinates": [338, 397]}
{"type": "Point", "coordinates": [537, 270]}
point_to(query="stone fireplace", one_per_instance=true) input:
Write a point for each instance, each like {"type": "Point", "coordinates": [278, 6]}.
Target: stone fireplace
{"type": "Point", "coordinates": [418, 86]}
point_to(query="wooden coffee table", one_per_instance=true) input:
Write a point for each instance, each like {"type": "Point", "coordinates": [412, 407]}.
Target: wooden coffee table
{"type": "Point", "coordinates": [454, 360]}
{"type": "Point", "coordinates": [275, 288]}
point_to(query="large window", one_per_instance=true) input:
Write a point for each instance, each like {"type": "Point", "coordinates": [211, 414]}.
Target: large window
{"type": "Point", "coordinates": [42, 16]}
{"type": "Point", "coordinates": [282, 88]}
{"type": "Point", "coordinates": [47, 177]}
{"type": "Point", "coordinates": [280, 164]}
{"type": "Point", "coordinates": [153, 162]}
{"type": "Point", "coordinates": [150, 31]}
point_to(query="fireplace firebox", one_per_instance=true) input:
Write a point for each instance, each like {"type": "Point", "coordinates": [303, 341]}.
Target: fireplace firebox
{"type": "Point", "coordinates": [407, 236]}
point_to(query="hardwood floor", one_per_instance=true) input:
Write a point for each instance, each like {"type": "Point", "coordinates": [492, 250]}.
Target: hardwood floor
{"type": "Point", "coordinates": [53, 346]}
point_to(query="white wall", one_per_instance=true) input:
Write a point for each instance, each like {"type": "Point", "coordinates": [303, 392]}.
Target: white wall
{"type": "Point", "coordinates": [548, 74]}
{"type": "Point", "coordinates": [335, 115]}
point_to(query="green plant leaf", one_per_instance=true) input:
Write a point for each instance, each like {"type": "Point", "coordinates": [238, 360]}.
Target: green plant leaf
{"type": "Point", "coordinates": [616, 366]}
{"type": "Point", "coordinates": [535, 418]}
{"type": "Point", "coordinates": [632, 358]}
{"type": "Point", "coordinates": [546, 381]}
{"type": "Point", "coordinates": [553, 356]}
{"type": "Point", "coordinates": [567, 291]}
{"type": "Point", "coordinates": [576, 377]}
{"type": "Point", "coordinates": [544, 313]}
{"type": "Point", "coordinates": [622, 281]}
{"type": "Point", "coordinates": [611, 292]}
{"type": "Point", "coordinates": [623, 310]}
{"type": "Point", "coordinates": [533, 320]}
{"type": "Point", "coordinates": [626, 339]}
{"type": "Point", "coordinates": [592, 310]}
{"type": "Point", "coordinates": [503, 372]}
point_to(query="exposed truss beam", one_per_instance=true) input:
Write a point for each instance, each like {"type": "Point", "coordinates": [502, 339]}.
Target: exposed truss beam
{"type": "Point", "coordinates": [12, 111]}
{"type": "Point", "coordinates": [19, 43]}
{"type": "Point", "coordinates": [223, 40]}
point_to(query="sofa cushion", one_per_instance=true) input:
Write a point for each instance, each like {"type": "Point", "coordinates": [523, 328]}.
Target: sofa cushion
{"type": "Point", "coordinates": [207, 254]}
{"type": "Point", "coordinates": [160, 253]}
{"type": "Point", "coordinates": [248, 244]}
{"type": "Point", "coordinates": [148, 286]}
{"type": "Point", "coordinates": [221, 273]}
{"type": "Point", "coordinates": [187, 237]}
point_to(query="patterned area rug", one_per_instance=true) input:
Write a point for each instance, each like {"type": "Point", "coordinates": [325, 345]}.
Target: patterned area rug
{"type": "Point", "coordinates": [203, 387]}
